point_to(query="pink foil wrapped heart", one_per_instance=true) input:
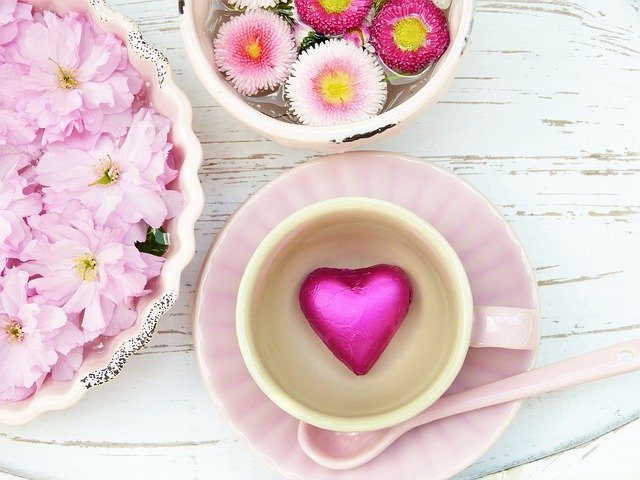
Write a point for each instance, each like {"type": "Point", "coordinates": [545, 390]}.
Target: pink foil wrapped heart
{"type": "Point", "coordinates": [356, 313]}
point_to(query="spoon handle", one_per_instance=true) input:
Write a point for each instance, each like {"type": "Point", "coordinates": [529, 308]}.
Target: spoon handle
{"type": "Point", "coordinates": [607, 362]}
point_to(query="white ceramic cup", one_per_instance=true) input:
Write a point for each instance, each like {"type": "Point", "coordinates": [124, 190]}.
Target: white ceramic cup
{"type": "Point", "coordinates": [291, 364]}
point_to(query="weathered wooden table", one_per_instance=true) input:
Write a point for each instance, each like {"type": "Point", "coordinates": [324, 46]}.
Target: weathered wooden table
{"type": "Point", "coordinates": [544, 118]}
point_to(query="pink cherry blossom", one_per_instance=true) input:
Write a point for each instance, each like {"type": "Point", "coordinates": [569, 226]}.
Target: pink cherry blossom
{"type": "Point", "coordinates": [13, 14]}
{"type": "Point", "coordinates": [67, 365]}
{"type": "Point", "coordinates": [14, 237]}
{"type": "Point", "coordinates": [21, 159]}
{"type": "Point", "coordinates": [15, 206]}
{"type": "Point", "coordinates": [84, 269]}
{"type": "Point", "coordinates": [15, 130]}
{"type": "Point", "coordinates": [120, 184]}
{"type": "Point", "coordinates": [13, 159]}
{"type": "Point", "coordinates": [122, 318]}
{"type": "Point", "coordinates": [86, 167]}
{"type": "Point", "coordinates": [69, 362]}
{"type": "Point", "coordinates": [11, 75]}
{"type": "Point", "coordinates": [80, 83]}
{"type": "Point", "coordinates": [14, 183]}
{"type": "Point", "coordinates": [32, 336]}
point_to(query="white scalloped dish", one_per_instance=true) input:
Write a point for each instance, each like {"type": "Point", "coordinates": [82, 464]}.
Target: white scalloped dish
{"type": "Point", "coordinates": [103, 362]}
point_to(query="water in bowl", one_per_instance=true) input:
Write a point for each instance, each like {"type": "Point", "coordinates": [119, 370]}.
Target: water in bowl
{"type": "Point", "coordinates": [274, 104]}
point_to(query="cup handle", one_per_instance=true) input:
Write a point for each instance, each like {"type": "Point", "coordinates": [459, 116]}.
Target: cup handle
{"type": "Point", "coordinates": [504, 327]}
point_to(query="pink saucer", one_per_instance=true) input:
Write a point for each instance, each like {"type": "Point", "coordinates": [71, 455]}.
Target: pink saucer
{"type": "Point", "coordinates": [497, 268]}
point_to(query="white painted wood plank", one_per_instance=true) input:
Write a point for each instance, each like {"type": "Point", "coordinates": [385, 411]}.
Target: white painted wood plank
{"type": "Point", "coordinates": [613, 456]}
{"type": "Point", "coordinates": [543, 118]}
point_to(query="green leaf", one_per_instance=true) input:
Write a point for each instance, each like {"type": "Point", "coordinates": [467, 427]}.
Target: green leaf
{"type": "Point", "coordinates": [284, 9]}
{"type": "Point", "coordinates": [156, 243]}
{"type": "Point", "coordinates": [377, 5]}
{"type": "Point", "coordinates": [313, 38]}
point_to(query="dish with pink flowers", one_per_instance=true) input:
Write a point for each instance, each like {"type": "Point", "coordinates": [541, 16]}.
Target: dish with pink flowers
{"type": "Point", "coordinates": [98, 198]}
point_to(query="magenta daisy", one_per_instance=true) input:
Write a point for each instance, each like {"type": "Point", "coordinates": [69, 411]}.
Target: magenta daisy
{"type": "Point", "coordinates": [409, 34]}
{"type": "Point", "coordinates": [255, 50]}
{"type": "Point", "coordinates": [333, 17]}
{"type": "Point", "coordinates": [335, 83]}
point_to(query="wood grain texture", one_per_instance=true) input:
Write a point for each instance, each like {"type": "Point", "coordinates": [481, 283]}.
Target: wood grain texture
{"type": "Point", "coordinates": [542, 117]}
{"type": "Point", "coordinates": [586, 461]}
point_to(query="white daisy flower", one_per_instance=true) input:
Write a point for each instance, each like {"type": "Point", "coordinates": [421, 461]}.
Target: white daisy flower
{"type": "Point", "coordinates": [335, 83]}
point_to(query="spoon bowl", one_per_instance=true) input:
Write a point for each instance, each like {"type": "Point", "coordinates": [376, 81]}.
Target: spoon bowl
{"type": "Point", "coordinates": [343, 450]}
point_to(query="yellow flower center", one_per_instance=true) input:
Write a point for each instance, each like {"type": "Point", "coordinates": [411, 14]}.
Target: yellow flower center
{"type": "Point", "coordinates": [14, 331]}
{"type": "Point", "coordinates": [336, 87]}
{"type": "Point", "coordinates": [335, 6]}
{"type": "Point", "coordinates": [67, 80]}
{"type": "Point", "coordinates": [66, 76]}
{"type": "Point", "coordinates": [108, 171]}
{"type": "Point", "coordinates": [86, 267]}
{"type": "Point", "coordinates": [253, 49]}
{"type": "Point", "coordinates": [410, 34]}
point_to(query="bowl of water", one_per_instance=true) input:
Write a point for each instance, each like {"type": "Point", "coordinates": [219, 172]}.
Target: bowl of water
{"type": "Point", "coordinates": [267, 114]}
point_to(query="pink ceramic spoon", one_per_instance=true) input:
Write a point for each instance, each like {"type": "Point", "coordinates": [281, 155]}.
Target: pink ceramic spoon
{"type": "Point", "coordinates": [341, 451]}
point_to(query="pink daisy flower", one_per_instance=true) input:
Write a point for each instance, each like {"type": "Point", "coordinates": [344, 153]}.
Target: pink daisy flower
{"type": "Point", "coordinates": [32, 337]}
{"type": "Point", "coordinates": [335, 83]}
{"type": "Point", "coordinates": [333, 17]}
{"type": "Point", "coordinates": [120, 181]}
{"type": "Point", "coordinates": [79, 82]}
{"type": "Point", "coordinates": [255, 50]}
{"type": "Point", "coordinates": [85, 270]}
{"type": "Point", "coordinates": [408, 35]}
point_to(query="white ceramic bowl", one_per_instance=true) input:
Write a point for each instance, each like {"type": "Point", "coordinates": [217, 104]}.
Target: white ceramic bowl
{"type": "Point", "coordinates": [193, 18]}
{"type": "Point", "coordinates": [103, 364]}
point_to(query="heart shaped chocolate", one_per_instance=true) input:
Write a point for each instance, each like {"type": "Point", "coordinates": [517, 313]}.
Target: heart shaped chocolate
{"type": "Point", "coordinates": [356, 313]}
